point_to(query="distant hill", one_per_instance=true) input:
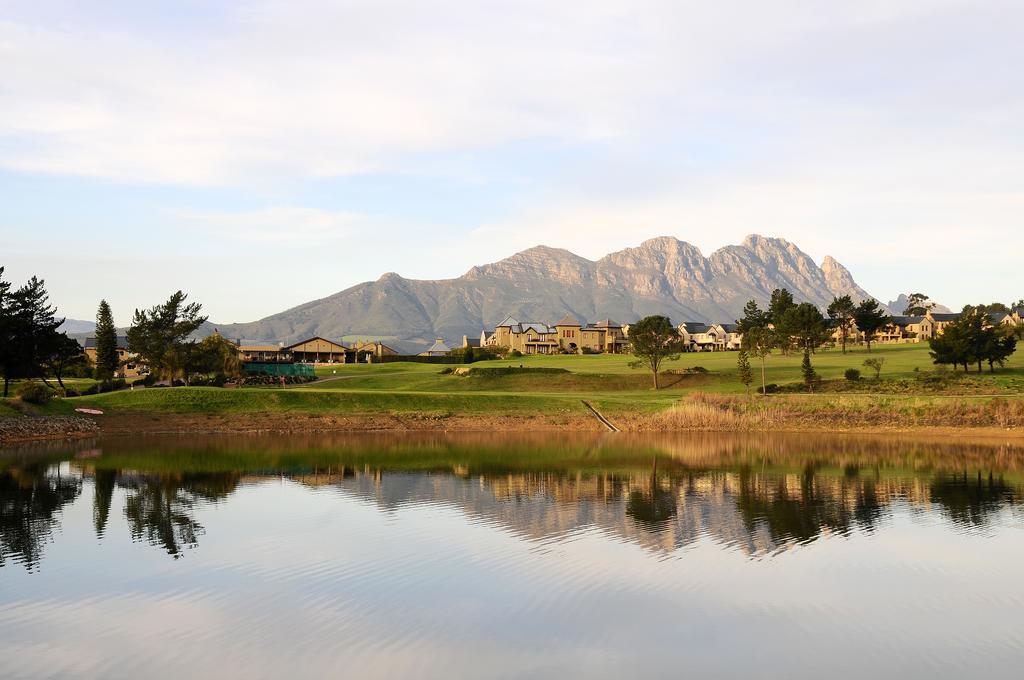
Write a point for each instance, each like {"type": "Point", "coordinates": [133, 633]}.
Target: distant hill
{"type": "Point", "coordinates": [660, 276]}
{"type": "Point", "coordinates": [77, 326]}
{"type": "Point", "coordinates": [899, 305]}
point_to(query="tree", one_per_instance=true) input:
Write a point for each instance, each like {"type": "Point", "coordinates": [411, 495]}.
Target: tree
{"type": "Point", "coordinates": [781, 301]}
{"type": "Point", "coordinates": [875, 365]}
{"type": "Point", "coordinates": [213, 356]}
{"type": "Point", "coordinates": [8, 341]}
{"type": "Point", "coordinates": [107, 361]}
{"type": "Point", "coordinates": [760, 341]}
{"type": "Point", "coordinates": [973, 339]}
{"type": "Point", "coordinates": [841, 312]}
{"type": "Point", "coordinates": [66, 352]}
{"type": "Point", "coordinates": [804, 325]}
{"type": "Point", "coordinates": [160, 335]}
{"type": "Point", "coordinates": [753, 318]}
{"type": "Point", "coordinates": [654, 340]}
{"type": "Point", "coordinates": [743, 364]}
{"type": "Point", "coordinates": [870, 317]}
{"type": "Point", "coordinates": [29, 330]}
{"type": "Point", "coordinates": [807, 370]}
{"type": "Point", "coordinates": [918, 304]}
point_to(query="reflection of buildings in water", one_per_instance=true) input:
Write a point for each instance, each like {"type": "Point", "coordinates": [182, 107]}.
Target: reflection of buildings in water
{"type": "Point", "coordinates": [756, 513]}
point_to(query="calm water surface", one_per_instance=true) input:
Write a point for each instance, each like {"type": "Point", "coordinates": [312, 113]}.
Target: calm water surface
{"type": "Point", "coordinates": [512, 556]}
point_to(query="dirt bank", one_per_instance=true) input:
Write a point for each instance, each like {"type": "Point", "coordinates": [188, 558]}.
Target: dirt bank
{"type": "Point", "coordinates": [17, 429]}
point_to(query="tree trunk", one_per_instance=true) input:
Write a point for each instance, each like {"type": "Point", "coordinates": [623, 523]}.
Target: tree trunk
{"type": "Point", "coordinates": [7, 384]}
{"type": "Point", "coordinates": [656, 386]}
{"type": "Point", "coordinates": [764, 387]}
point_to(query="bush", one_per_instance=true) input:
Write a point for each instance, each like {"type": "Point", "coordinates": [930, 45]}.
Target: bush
{"type": "Point", "coordinates": [515, 354]}
{"type": "Point", "coordinates": [447, 371]}
{"type": "Point", "coordinates": [852, 374]}
{"type": "Point", "coordinates": [770, 388]}
{"type": "Point", "coordinates": [35, 393]}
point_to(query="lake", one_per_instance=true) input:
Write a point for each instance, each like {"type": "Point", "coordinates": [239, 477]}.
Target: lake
{"type": "Point", "coordinates": [508, 556]}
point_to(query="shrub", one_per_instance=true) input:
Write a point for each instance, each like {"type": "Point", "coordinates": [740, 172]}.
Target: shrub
{"type": "Point", "coordinates": [35, 393]}
{"type": "Point", "coordinates": [852, 374]}
{"type": "Point", "coordinates": [515, 353]}
{"type": "Point", "coordinates": [770, 388]}
{"type": "Point", "coordinates": [447, 371]}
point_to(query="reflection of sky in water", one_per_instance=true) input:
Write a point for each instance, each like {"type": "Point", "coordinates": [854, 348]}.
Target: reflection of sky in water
{"type": "Point", "coordinates": [429, 574]}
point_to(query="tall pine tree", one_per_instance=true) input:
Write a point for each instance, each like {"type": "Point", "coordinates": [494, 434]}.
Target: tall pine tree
{"type": "Point", "coordinates": [106, 344]}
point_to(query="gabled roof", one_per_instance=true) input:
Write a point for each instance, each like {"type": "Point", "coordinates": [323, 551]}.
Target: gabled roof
{"type": "Point", "coordinates": [535, 326]}
{"type": "Point", "coordinates": [122, 342]}
{"type": "Point", "coordinates": [439, 346]}
{"type": "Point", "coordinates": [906, 320]}
{"type": "Point", "coordinates": [607, 323]}
{"type": "Point", "coordinates": [695, 326]}
{"type": "Point", "coordinates": [997, 317]}
{"type": "Point", "coordinates": [508, 321]}
{"type": "Point", "coordinates": [316, 337]}
{"type": "Point", "coordinates": [730, 327]}
{"type": "Point", "coordinates": [568, 321]}
{"type": "Point", "coordinates": [946, 317]}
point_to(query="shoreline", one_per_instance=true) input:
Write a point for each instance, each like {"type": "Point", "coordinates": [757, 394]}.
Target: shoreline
{"type": "Point", "coordinates": [21, 430]}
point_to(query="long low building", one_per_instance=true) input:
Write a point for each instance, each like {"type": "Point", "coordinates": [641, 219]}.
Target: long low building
{"type": "Point", "coordinates": [566, 336]}
{"type": "Point", "coordinates": [315, 350]}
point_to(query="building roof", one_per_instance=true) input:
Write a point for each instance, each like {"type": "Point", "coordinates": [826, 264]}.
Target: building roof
{"type": "Point", "coordinates": [438, 346]}
{"type": "Point", "coordinates": [260, 348]}
{"type": "Point", "coordinates": [694, 326]}
{"type": "Point", "coordinates": [122, 342]}
{"type": "Point", "coordinates": [508, 321]}
{"type": "Point", "coordinates": [946, 317]}
{"type": "Point", "coordinates": [607, 323]}
{"type": "Point", "coordinates": [568, 320]}
{"type": "Point", "coordinates": [997, 317]}
{"type": "Point", "coordinates": [316, 337]}
{"type": "Point", "coordinates": [906, 320]}
{"type": "Point", "coordinates": [730, 327]}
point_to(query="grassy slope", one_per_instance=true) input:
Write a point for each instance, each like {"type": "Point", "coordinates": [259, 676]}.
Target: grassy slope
{"type": "Point", "coordinates": [608, 381]}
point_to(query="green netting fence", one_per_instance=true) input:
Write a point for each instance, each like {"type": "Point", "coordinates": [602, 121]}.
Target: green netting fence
{"type": "Point", "coordinates": [279, 369]}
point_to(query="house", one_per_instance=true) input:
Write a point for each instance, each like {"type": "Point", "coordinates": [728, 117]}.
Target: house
{"type": "Point", "coordinates": [369, 351]}
{"type": "Point", "coordinates": [900, 329]}
{"type": "Point", "coordinates": [933, 324]}
{"type": "Point", "coordinates": [317, 350]}
{"type": "Point", "coordinates": [717, 337]}
{"type": "Point", "coordinates": [566, 336]}
{"type": "Point", "coordinates": [128, 362]}
{"type": "Point", "coordinates": [263, 354]}
{"type": "Point", "coordinates": [438, 349]}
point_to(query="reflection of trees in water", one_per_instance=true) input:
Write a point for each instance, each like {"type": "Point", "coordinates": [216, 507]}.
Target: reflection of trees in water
{"type": "Point", "coordinates": [971, 500]}
{"type": "Point", "coordinates": [159, 509]}
{"type": "Point", "coordinates": [29, 501]}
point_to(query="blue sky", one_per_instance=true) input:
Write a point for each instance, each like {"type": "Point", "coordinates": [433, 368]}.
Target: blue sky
{"type": "Point", "coordinates": [263, 154]}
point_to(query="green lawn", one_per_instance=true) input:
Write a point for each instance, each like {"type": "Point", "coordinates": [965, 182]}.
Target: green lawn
{"type": "Point", "coordinates": [605, 380]}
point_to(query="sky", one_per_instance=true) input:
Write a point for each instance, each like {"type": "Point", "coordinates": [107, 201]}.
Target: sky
{"type": "Point", "coordinates": [263, 154]}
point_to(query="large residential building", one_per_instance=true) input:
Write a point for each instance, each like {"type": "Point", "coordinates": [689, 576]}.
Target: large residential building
{"type": "Point", "coordinates": [566, 336]}
{"type": "Point", "coordinates": [315, 350]}
{"type": "Point", "coordinates": [128, 362]}
{"type": "Point", "coordinates": [715, 337]}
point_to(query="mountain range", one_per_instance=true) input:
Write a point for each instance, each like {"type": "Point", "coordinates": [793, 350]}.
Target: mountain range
{"type": "Point", "coordinates": [660, 276]}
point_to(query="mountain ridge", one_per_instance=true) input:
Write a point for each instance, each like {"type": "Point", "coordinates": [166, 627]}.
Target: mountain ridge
{"type": "Point", "coordinates": [662, 275]}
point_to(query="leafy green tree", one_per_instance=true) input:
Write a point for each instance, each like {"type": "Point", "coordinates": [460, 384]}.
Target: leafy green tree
{"type": "Point", "coordinates": [65, 353]}
{"type": "Point", "coordinates": [875, 364]}
{"type": "Point", "coordinates": [870, 318]}
{"type": "Point", "coordinates": [161, 335]}
{"type": "Point", "coordinates": [107, 361]}
{"type": "Point", "coordinates": [753, 317]}
{"type": "Point", "coordinates": [804, 325]}
{"type": "Point", "coordinates": [807, 370]}
{"type": "Point", "coordinates": [743, 365]}
{"type": "Point", "coordinates": [29, 331]}
{"type": "Point", "coordinates": [1000, 344]}
{"type": "Point", "coordinates": [654, 340]}
{"type": "Point", "coordinates": [841, 311]}
{"type": "Point", "coordinates": [950, 347]}
{"type": "Point", "coordinates": [759, 341]}
{"type": "Point", "coordinates": [780, 303]}
{"type": "Point", "coordinates": [918, 304]}
{"type": "Point", "coordinates": [973, 339]}
{"type": "Point", "coordinates": [213, 356]}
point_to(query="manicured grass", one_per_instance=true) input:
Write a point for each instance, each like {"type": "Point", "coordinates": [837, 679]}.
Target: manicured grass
{"type": "Point", "coordinates": [605, 380]}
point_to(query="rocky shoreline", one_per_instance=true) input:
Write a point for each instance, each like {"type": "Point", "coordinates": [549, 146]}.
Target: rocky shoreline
{"type": "Point", "coordinates": [18, 429]}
